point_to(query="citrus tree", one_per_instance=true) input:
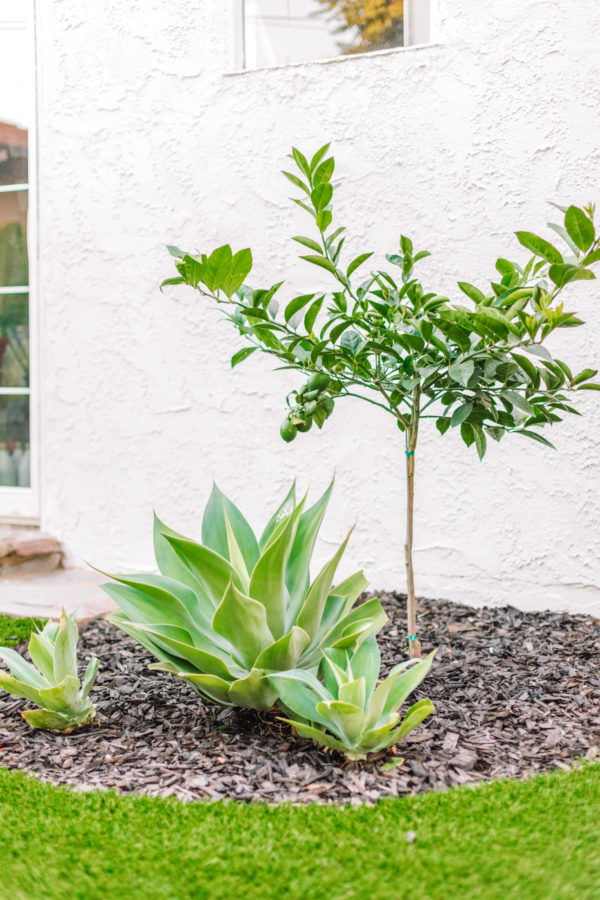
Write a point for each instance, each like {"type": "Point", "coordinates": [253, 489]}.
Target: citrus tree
{"type": "Point", "coordinates": [376, 24]}
{"type": "Point", "coordinates": [480, 366]}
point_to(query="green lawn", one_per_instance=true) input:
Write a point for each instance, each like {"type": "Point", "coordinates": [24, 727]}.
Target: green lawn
{"type": "Point", "coordinates": [14, 631]}
{"type": "Point", "coordinates": [533, 840]}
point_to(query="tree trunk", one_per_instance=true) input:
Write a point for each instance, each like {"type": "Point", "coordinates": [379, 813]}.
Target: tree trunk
{"type": "Point", "coordinates": [411, 603]}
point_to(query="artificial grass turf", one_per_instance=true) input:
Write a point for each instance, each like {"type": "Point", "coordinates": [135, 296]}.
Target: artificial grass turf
{"type": "Point", "coordinates": [15, 631]}
{"type": "Point", "coordinates": [531, 840]}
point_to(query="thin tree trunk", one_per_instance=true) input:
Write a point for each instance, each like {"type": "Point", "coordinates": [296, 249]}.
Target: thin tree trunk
{"type": "Point", "coordinates": [411, 602]}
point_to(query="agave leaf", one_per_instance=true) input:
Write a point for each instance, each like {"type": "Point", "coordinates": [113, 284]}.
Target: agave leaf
{"type": "Point", "coordinates": [379, 705]}
{"type": "Point", "coordinates": [282, 512]}
{"type": "Point", "coordinates": [367, 661]}
{"type": "Point", "coordinates": [352, 635]}
{"type": "Point", "coordinates": [63, 697]}
{"type": "Point", "coordinates": [407, 682]}
{"type": "Point", "coordinates": [155, 598]}
{"type": "Point", "coordinates": [243, 622]}
{"type": "Point", "coordinates": [285, 652]}
{"type": "Point", "coordinates": [298, 571]}
{"type": "Point", "coordinates": [49, 631]}
{"type": "Point", "coordinates": [210, 663]}
{"type": "Point", "coordinates": [415, 715]}
{"type": "Point", "coordinates": [267, 583]}
{"type": "Point", "coordinates": [210, 686]}
{"type": "Point", "coordinates": [236, 556]}
{"type": "Point", "coordinates": [49, 720]}
{"type": "Point", "coordinates": [21, 669]}
{"type": "Point", "coordinates": [211, 571]}
{"type": "Point", "coordinates": [334, 675]}
{"type": "Point", "coordinates": [89, 677]}
{"type": "Point", "coordinates": [311, 612]}
{"type": "Point", "coordinates": [354, 692]}
{"type": "Point", "coordinates": [65, 648]}
{"type": "Point", "coordinates": [40, 650]}
{"type": "Point", "coordinates": [136, 631]}
{"type": "Point", "coordinates": [346, 720]}
{"type": "Point", "coordinates": [19, 688]}
{"type": "Point", "coordinates": [214, 533]}
{"type": "Point", "coordinates": [167, 559]}
{"type": "Point", "coordinates": [377, 738]}
{"type": "Point", "coordinates": [371, 611]}
{"type": "Point", "coordinates": [254, 691]}
{"type": "Point", "coordinates": [301, 692]}
{"type": "Point", "coordinates": [316, 735]}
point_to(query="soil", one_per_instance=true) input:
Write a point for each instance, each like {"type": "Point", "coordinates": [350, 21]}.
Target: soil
{"type": "Point", "coordinates": [515, 693]}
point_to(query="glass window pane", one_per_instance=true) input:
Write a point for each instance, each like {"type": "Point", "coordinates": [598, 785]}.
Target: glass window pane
{"type": "Point", "coordinates": [14, 340]}
{"type": "Point", "coordinates": [14, 441]}
{"type": "Point", "coordinates": [14, 268]}
{"type": "Point", "coordinates": [279, 32]}
{"type": "Point", "coordinates": [16, 89]}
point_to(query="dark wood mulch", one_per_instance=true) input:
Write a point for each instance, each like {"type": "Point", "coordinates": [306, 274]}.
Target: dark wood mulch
{"type": "Point", "coordinates": [516, 693]}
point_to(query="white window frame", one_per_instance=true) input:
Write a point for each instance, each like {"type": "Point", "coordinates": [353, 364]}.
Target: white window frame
{"type": "Point", "coordinates": [22, 504]}
{"type": "Point", "coordinates": [239, 38]}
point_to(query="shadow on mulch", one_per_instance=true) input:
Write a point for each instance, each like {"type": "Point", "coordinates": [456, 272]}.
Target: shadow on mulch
{"type": "Point", "coordinates": [515, 693]}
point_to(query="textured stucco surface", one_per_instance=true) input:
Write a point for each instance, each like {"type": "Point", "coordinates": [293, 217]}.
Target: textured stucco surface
{"type": "Point", "coordinates": [146, 138]}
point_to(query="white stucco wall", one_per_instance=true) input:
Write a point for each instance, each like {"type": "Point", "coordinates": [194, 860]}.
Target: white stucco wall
{"type": "Point", "coordinates": [146, 138]}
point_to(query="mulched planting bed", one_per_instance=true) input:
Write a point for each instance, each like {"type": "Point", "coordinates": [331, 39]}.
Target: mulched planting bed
{"type": "Point", "coordinates": [515, 693]}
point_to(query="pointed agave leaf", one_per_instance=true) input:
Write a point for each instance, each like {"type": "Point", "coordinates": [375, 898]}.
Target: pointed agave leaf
{"type": "Point", "coordinates": [311, 612]}
{"type": "Point", "coordinates": [48, 720]}
{"type": "Point", "coordinates": [210, 570]}
{"type": "Point", "coordinates": [236, 556]}
{"type": "Point", "coordinates": [65, 648]}
{"type": "Point", "coordinates": [281, 513]}
{"type": "Point", "coordinates": [346, 720]}
{"type": "Point", "coordinates": [374, 739]}
{"type": "Point", "coordinates": [406, 682]}
{"type": "Point", "coordinates": [21, 669]}
{"type": "Point", "coordinates": [371, 610]}
{"type": "Point", "coordinates": [315, 734]}
{"type": "Point", "coordinates": [40, 650]}
{"type": "Point", "coordinates": [138, 633]}
{"type": "Point", "coordinates": [298, 570]}
{"type": "Point", "coordinates": [210, 686]}
{"type": "Point", "coordinates": [254, 691]}
{"type": "Point", "coordinates": [415, 715]}
{"type": "Point", "coordinates": [169, 562]}
{"type": "Point", "coordinates": [367, 661]}
{"type": "Point", "coordinates": [300, 691]}
{"type": "Point", "coordinates": [156, 598]}
{"type": "Point", "coordinates": [63, 697]}
{"type": "Point", "coordinates": [284, 653]}
{"type": "Point", "coordinates": [340, 601]}
{"type": "Point", "coordinates": [243, 622]}
{"type": "Point", "coordinates": [19, 688]}
{"type": "Point", "coordinates": [354, 692]}
{"type": "Point", "coordinates": [214, 533]}
{"type": "Point", "coordinates": [90, 677]}
{"type": "Point", "coordinates": [267, 583]}
{"type": "Point", "coordinates": [208, 663]}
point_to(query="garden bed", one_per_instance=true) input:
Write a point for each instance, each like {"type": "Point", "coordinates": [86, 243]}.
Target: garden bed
{"type": "Point", "coordinates": [516, 693]}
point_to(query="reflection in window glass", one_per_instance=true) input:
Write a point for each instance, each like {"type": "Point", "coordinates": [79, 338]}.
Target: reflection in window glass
{"type": "Point", "coordinates": [14, 441]}
{"type": "Point", "coordinates": [16, 115]}
{"type": "Point", "coordinates": [280, 32]}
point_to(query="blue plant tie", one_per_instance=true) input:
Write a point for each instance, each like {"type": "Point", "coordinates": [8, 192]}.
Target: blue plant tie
{"type": "Point", "coordinates": [410, 452]}
{"type": "Point", "coordinates": [412, 637]}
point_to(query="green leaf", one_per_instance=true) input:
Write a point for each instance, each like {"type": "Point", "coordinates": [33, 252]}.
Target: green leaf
{"type": "Point", "coordinates": [589, 387]}
{"type": "Point", "coordinates": [318, 156]}
{"type": "Point", "coordinates": [534, 436]}
{"type": "Point", "coordinates": [214, 533]}
{"type": "Point", "coordinates": [296, 305]}
{"type": "Point", "coordinates": [48, 720]}
{"type": "Point", "coordinates": [241, 355]}
{"type": "Point", "coordinates": [443, 424]}
{"type": "Point", "coordinates": [527, 366]}
{"type": "Point", "coordinates": [240, 266]}
{"type": "Point", "coordinates": [284, 653]}
{"type": "Point", "coordinates": [461, 371]}
{"type": "Point", "coordinates": [175, 251]}
{"type": "Point", "coordinates": [357, 262]}
{"type": "Point", "coordinates": [285, 508]}
{"type": "Point", "coordinates": [564, 273]}
{"type": "Point", "coordinates": [471, 291]}
{"type": "Point", "coordinates": [324, 219]}
{"type": "Point", "coordinates": [301, 162]}
{"type": "Point", "coordinates": [90, 677]}
{"type": "Point", "coordinates": [321, 196]}
{"type": "Point", "coordinates": [311, 315]}
{"type": "Point", "coordinates": [308, 242]}
{"type": "Point", "coordinates": [467, 433]}
{"type": "Point", "coordinates": [251, 638]}
{"type": "Point", "coordinates": [480, 441]}
{"type": "Point", "coordinates": [267, 583]}
{"type": "Point", "coordinates": [579, 228]}
{"type": "Point", "coordinates": [217, 268]}
{"type": "Point", "coordinates": [519, 401]}
{"type": "Point", "coordinates": [321, 261]}
{"type": "Point", "coordinates": [539, 246]}
{"type": "Point", "coordinates": [460, 414]}
{"type": "Point", "coordinates": [19, 688]}
{"type": "Point", "coordinates": [311, 612]}
{"type": "Point", "coordinates": [584, 375]}
{"type": "Point", "coordinates": [297, 182]}
{"type": "Point", "coordinates": [346, 720]}
{"type": "Point", "coordinates": [592, 257]}
{"type": "Point", "coordinates": [324, 171]}
{"type": "Point", "coordinates": [65, 648]}
{"type": "Point", "coordinates": [415, 715]}
{"type": "Point", "coordinates": [169, 281]}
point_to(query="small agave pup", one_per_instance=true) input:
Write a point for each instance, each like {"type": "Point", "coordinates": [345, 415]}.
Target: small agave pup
{"type": "Point", "coordinates": [225, 614]}
{"type": "Point", "coordinates": [52, 681]}
{"type": "Point", "coordinates": [350, 712]}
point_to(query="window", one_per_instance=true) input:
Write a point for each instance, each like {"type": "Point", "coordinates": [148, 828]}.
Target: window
{"type": "Point", "coordinates": [16, 118]}
{"type": "Point", "coordinates": [280, 32]}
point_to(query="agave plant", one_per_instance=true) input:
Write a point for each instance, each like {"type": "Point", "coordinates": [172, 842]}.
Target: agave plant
{"type": "Point", "coordinates": [349, 711]}
{"type": "Point", "coordinates": [52, 682]}
{"type": "Point", "coordinates": [227, 612]}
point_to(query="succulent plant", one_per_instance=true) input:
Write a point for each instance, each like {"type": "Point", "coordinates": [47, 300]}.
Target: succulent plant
{"type": "Point", "coordinates": [350, 711]}
{"type": "Point", "coordinates": [52, 682]}
{"type": "Point", "coordinates": [227, 612]}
